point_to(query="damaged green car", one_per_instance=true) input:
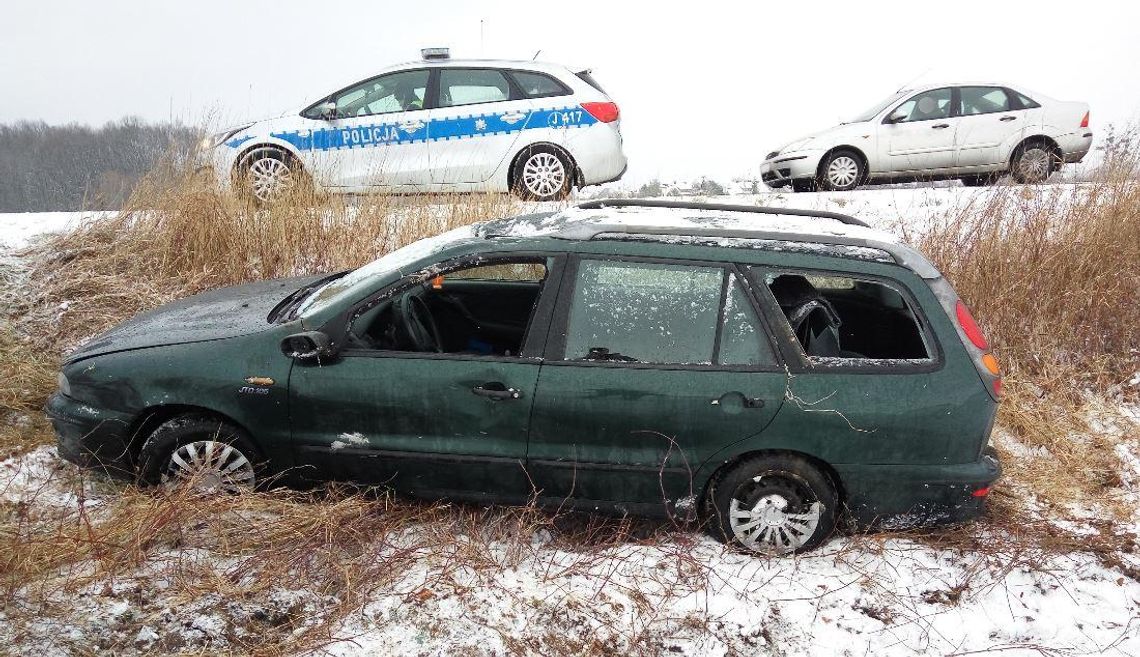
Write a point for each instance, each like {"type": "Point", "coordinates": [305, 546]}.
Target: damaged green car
{"type": "Point", "coordinates": [776, 373]}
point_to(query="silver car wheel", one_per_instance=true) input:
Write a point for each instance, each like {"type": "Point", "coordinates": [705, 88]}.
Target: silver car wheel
{"type": "Point", "coordinates": [543, 174]}
{"type": "Point", "coordinates": [1035, 164]}
{"type": "Point", "coordinates": [768, 527]}
{"type": "Point", "coordinates": [209, 466]}
{"type": "Point", "coordinates": [268, 178]}
{"type": "Point", "coordinates": [842, 171]}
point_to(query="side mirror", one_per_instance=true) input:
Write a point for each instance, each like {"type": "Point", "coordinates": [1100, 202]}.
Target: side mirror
{"type": "Point", "coordinates": [898, 116]}
{"type": "Point", "coordinates": [328, 110]}
{"type": "Point", "coordinates": [307, 346]}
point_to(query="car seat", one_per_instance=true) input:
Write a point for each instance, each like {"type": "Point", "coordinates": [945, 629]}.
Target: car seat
{"type": "Point", "coordinates": [812, 317]}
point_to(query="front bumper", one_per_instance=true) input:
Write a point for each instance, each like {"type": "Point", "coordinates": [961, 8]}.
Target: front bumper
{"type": "Point", "coordinates": [786, 167]}
{"type": "Point", "coordinates": [91, 437]}
{"type": "Point", "coordinates": [906, 496]}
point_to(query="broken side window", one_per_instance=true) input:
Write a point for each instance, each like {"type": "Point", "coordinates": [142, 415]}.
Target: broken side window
{"type": "Point", "coordinates": [835, 316]}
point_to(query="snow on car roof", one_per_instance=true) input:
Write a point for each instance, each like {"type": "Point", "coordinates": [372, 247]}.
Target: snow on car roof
{"type": "Point", "coordinates": [598, 220]}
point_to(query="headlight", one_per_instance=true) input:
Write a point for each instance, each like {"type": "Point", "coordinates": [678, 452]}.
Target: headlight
{"type": "Point", "coordinates": [218, 138]}
{"type": "Point", "coordinates": [63, 384]}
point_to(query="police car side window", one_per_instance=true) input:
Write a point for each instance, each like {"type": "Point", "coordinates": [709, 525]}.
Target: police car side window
{"type": "Point", "coordinates": [539, 85]}
{"type": "Point", "coordinates": [395, 92]}
{"type": "Point", "coordinates": [469, 86]}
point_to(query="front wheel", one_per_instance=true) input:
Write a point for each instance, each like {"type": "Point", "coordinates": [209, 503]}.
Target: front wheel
{"type": "Point", "coordinates": [543, 174]}
{"type": "Point", "coordinates": [842, 171]}
{"type": "Point", "coordinates": [202, 452]}
{"type": "Point", "coordinates": [774, 504]}
{"type": "Point", "coordinates": [268, 174]}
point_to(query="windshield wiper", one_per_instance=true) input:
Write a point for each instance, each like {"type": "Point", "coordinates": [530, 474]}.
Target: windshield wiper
{"type": "Point", "coordinates": [288, 305]}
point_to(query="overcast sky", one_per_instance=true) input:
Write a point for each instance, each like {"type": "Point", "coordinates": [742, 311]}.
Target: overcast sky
{"type": "Point", "coordinates": [704, 87]}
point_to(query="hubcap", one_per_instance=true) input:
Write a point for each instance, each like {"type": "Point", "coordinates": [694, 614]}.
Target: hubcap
{"type": "Point", "coordinates": [268, 178]}
{"type": "Point", "coordinates": [209, 466]}
{"type": "Point", "coordinates": [843, 171]}
{"type": "Point", "coordinates": [1035, 164]}
{"type": "Point", "coordinates": [772, 518]}
{"type": "Point", "coordinates": [543, 174]}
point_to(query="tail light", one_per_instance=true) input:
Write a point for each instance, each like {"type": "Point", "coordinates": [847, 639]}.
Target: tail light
{"type": "Point", "coordinates": [970, 327]}
{"type": "Point", "coordinates": [1085, 121]}
{"type": "Point", "coordinates": [981, 492]}
{"type": "Point", "coordinates": [604, 112]}
{"type": "Point", "coordinates": [984, 360]}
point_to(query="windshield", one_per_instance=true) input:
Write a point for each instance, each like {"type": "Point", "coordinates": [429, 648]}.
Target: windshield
{"type": "Point", "coordinates": [394, 262]}
{"type": "Point", "coordinates": [879, 107]}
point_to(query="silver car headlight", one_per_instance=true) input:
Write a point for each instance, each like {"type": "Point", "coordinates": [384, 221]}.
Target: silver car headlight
{"type": "Point", "coordinates": [219, 138]}
{"type": "Point", "coordinates": [63, 384]}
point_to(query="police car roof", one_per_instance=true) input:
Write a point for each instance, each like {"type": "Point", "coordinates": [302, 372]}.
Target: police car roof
{"type": "Point", "coordinates": [610, 219]}
{"type": "Point", "coordinates": [481, 63]}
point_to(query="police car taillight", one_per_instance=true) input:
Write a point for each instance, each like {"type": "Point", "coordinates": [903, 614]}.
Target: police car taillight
{"type": "Point", "coordinates": [435, 53]}
{"type": "Point", "coordinates": [604, 112]}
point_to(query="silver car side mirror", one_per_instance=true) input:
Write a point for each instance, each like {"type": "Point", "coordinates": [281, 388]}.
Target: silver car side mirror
{"type": "Point", "coordinates": [328, 110]}
{"type": "Point", "coordinates": [897, 116]}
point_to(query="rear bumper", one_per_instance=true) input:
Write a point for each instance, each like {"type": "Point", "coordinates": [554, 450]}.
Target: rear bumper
{"type": "Point", "coordinates": [905, 496]}
{"type": "Point", "coordinates": [91, 437]}
{"type": "Point", "coordinates": [1075, 145]}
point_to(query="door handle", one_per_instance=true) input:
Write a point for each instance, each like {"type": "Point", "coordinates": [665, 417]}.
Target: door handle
{"type": "Point", "coordinates": [495, 391]}
{"type": "Point", "coordinates": [749, 402]}
{"type": "Point", "coordinates": [1008, 118]}
{"type": "Point", "coordinates": [939, 126]}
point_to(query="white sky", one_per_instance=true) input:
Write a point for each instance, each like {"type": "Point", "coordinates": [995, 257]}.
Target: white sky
{"type": "Point", "coordinates": [704, 87]}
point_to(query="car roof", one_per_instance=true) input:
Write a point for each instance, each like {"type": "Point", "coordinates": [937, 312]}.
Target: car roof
{"type": "Point", "coordinates": [966, 83]}
{"type": "Point", "coordinates": [481, 63]}
{"type": "Point", "coordinates": [668, 220]}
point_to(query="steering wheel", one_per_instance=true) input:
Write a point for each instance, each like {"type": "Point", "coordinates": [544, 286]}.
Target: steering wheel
{"type": "Point", "coordinates": [414, 318]}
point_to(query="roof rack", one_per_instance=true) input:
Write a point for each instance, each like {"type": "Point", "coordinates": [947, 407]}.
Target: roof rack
{"type": "Point", "coordinates": [723, 207]}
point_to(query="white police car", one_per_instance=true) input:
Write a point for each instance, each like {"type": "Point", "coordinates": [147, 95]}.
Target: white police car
{"type": "Point", "coordinates": [436, 125]}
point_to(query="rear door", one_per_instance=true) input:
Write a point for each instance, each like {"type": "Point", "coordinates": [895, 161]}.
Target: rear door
{"type": "Point", "coordinates": [925, 138]}
{"type": "Point", "coordinates": [479, 116]}
{"type": "Point", "coordinates": [990, 117]}
{"type": "Point", "coordinates": [653, 366]}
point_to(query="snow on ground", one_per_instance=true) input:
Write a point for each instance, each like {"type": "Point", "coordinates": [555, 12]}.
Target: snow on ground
{"type": "Point", "coordinates": [17, 229]}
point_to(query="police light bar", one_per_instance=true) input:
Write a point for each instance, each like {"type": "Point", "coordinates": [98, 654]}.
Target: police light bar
{"type": "Point", "coordinates": [435, 53]}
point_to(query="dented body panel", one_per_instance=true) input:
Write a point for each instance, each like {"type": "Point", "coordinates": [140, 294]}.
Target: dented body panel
{"type": "Point", "coordinates": [902, 439]}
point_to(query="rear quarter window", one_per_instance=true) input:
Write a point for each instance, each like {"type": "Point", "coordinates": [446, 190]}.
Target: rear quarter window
{"type": "Point", "coordinates": [538, 85]}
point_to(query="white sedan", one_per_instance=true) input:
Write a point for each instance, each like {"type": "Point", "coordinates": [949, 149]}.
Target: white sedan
{"type": "Point", "coordinates": [974, 132]}
{"type": "Point", "coordinates": [435, 125]}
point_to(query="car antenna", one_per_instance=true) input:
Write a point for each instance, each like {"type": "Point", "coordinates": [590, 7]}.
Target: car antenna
{"type": "Point", "coordinates": [536, 54]}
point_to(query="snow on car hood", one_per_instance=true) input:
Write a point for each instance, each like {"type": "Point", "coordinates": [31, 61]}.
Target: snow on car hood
{"type": "Point", "coordinates": [213, 315]}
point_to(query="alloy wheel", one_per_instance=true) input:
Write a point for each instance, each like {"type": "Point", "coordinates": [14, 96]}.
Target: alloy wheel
{"type": "Point", "coordinates": [209, 466]}
{"type": "Point", "coordinates": [269, 178]}
{"type": "Point", "coordinates": [773, 515]}
{"type": "Point", "coordinates": [543, 174]}
{"type": "Point", "coordinates": [1035, 164]}
{"type": "Point", "coordinates": [842, 171]}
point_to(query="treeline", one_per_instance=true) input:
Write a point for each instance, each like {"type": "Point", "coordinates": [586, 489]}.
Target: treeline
{"type": "Point", "coordinates": [76, 167]}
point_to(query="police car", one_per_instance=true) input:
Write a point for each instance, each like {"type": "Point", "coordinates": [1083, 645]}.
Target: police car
{"type": "Point", "coordinates": [438, 125]}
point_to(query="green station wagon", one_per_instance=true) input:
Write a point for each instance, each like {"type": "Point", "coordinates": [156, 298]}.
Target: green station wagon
{"type": "Point", "coordinates": [775, 373]}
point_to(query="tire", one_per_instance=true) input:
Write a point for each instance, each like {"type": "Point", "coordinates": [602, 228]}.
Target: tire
{"type": "Point", "coordinates": [543, 173]}
{"type": "Point", "coordinates": [217, 446]}
{"type": "Point", "coordinates": [764, 492]}
{"type": "Point", "coordinates": [1034, 162]}
{"type": "Point", "coordinates": [802, 185]}
{"type": "Point", "coordinates": [977, 181]}
{"type": "Point", "coordinates": [267, 174]}
{"type": "Point", "coordinates": [842, 171]}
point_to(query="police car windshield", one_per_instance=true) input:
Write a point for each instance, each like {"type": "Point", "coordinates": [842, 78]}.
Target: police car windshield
{"type": "Point", "coordinates": [878, 107]}
{"type": "Point", "coordinates": [358, 283]}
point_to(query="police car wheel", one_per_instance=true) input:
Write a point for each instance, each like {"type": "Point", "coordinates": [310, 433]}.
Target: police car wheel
{"type": "Point", "coordinates": [268, 175]}
{"type": "Point", "coordinates": [542, 174]}
{"type": "Point", "coordinates": [843, 170]}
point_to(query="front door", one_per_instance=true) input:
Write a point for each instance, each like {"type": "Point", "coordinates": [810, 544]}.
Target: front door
{"type": "Point", "coordinates": [379, 137]}
{"type": "Point", "coordinates": [655, 366]}
{"type": "Point", "coordinates": [923, 139]}
{"type": "Point", "coordinates": [425, 398]}
{"type": "Point", "coordinates": [476, 124]}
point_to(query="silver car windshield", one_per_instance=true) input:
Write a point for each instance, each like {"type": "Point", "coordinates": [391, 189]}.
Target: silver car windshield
{"type": "Point", "coordinates": [879, 107]}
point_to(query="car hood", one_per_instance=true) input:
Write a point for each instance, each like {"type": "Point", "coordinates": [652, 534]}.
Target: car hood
{"type": "Point", "coordinates": [223, 313]}
{"type": "Point", "coordinates": [824, 138]}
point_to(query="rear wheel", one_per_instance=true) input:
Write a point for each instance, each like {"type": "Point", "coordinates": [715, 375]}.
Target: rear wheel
{"type": "Point", "coordinates": [775, 504]}
{"type": "Point", "coordinates": [543, 174]}
{"type": "Point", "coordinates": [1034, 163]}
{"type": "Point", "coordinates": [200, 451]}
{"type": "Point", "coordinates": [842, 171]}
